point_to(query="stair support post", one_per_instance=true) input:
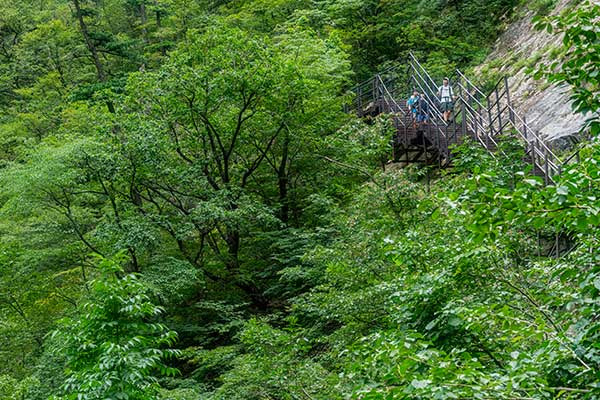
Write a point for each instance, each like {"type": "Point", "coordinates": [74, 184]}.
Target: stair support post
{"type": "Point", "coordinates": [534, 147]}
{"type": "Point", "coordinates": [438, 142]}
{"type": "Point", "coordinates": [424, 145]}
{"type": "Point", "coordinates": [486, 138]}
{"type": "Point", "coordinates": [528, 146]}
{"type": "Point", "coordinates": [359, 101]}
{"type": "Point", "coordinates": [447, 145]}
{"type": "Point", "coordinates": [476, 117]}
{"type": "Point", "coordinates": [546, 174]}
{"type": "Point", "coordinates": [511, 112]}
{"type": "Point", "coordinates": [375, 87]}
{"type": "Point", "coordinates": [500, 130]}
{"type": "Point", "coordinates": [464, 118]}
{"type": "Point", "coordinates": [491, 124]}
{"type": "Point", "coordinates": [406, 144]}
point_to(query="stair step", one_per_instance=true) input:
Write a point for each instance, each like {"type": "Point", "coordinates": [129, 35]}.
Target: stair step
{"type": "Point", "coordinates": [439, 136]}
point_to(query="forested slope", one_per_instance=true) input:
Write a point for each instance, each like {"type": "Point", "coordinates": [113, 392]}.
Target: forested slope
{"type": "Point", "coordinates": [187, 213]}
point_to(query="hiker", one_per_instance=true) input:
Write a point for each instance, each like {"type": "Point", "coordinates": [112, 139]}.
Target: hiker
{"type": "Point", "coordinates": [412, 104]}
{"type": "Point", "coordinates": [423, 111]}
{"type": "Point", "coordinates": [446, 96]}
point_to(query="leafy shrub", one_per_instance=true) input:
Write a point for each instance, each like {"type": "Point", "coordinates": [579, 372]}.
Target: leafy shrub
{"type": "Point", "coordinates": [113, 348]}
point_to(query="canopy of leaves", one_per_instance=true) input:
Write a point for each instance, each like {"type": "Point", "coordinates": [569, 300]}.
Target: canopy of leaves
{"type": "Point", "coordinates": [579, 66]}
{"type": "Point", "coordinates": [186, 206]}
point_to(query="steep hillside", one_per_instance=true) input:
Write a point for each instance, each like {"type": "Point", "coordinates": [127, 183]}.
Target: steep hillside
{"type": "Point", "coordinates": [517, 53]}
{"type": "Point", "coordinates": [187, 212]}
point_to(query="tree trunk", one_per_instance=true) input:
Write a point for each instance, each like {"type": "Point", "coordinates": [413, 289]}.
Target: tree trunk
{"type": "Point", "coordinates": [282, 178]}
{"type": "Point", "coordinates": [158, 22]}
{"type": "Point", "coordinates": [144, 20]}
{"type": "Point", "coordinates": [92, 48]}
{"type": "Point", "coordinates": [233, 249]}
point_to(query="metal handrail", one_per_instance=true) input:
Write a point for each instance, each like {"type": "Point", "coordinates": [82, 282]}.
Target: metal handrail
{"type": "Point", "coordinates": [509, 107]}
{"type": "Point", "coordinates": [433, 86]}
{"type": "Point", "coordinates": [483, 116]}
{"type": "Point", "coordinates": [425, 79]}
{"type": "Point", "coordinates": [460, 85]}
{"type": "Point", "coordinates": [414, 59]}
{"type": "Point", "coordinates": [393, 101]}
{"type": "Point", "coordinates": [484, 138]}
{"type": "Point", "coordinates": [428, 86]}
{"type": "Point", "coordinates": [460, 74]}
{"type": "Point", "coordinates": [437, 112]}
{"type": "Point", "coordinates": [539, 147]}
{"type": "Point", "coordinates": [370, 80]}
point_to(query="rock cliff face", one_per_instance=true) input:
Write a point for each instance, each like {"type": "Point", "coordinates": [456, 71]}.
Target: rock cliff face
{"type": "Point", "coordinates": [517, 52]}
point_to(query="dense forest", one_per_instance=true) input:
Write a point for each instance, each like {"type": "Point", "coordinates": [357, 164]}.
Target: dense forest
{"type": "Point", "coordinates": [188, 213]}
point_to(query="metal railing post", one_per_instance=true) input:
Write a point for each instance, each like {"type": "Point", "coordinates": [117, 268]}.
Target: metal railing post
{"type": "Point", "coordinates": [406, 144]}
{"type": "Point", "coordinates": [546, 174]}
{"type": "Point", "coordinates": [528, 146]}
{"type": "Point", "coordinates": [464, 118]}
{"type": "Point", "coordinates": [511, 112]}
{"type": "Point", "coordinates": [491, 121]}
{"type": "Point", "coordinates": [500, 130]}
{"type": "Point", "coordinates": [480, 118]}
{"type": "Point", "coordinates": [534, 146]}
{"type": "Point", "coordinates": [359, 101]}
{"type": "Point", "coordinates": [424, 144]}
{"type": "Point", "coordinates": [439, 146]}
{"type": "Point", "coordinates": [376, 97]}
{"type": "Point", "coordinates": [447, 144]}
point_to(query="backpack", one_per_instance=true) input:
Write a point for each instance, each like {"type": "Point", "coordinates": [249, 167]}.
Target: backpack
{"type": "Point", "coordinates": [423, 106]}
{"type": "Point", "coordinates": [450, 93]}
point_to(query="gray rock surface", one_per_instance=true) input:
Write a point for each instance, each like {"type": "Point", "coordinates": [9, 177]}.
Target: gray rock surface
{"type": "Point", "coordinates": [547, 108]}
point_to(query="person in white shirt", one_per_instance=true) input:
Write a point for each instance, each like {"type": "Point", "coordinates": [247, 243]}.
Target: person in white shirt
{"type": "Point", "coordinates": [446, 96]}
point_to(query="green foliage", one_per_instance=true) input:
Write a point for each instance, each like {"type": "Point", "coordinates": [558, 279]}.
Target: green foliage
{"type": "Point", "coordinates": [447, 34]}
{"type": "Point", "coordinates": [542, 7]}
{"type": "Point", "coordinates": [273, 366]}
{"type": "Point", "coordinates": [206, 141]}
{"type": "Point", "coordinates": [11, 389]}
{"type": "Point", "coordinates": [446, 299]}
{"type": "Point", "coordinates": [113, 347]}
{"type": "Point", "coordinates": [579, 66]}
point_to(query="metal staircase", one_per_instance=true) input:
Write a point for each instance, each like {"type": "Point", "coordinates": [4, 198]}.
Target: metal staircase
{"type": "Point", "coordinates": [484, 118]}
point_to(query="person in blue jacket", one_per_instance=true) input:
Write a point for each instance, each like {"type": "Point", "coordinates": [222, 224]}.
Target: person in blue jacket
{"type": "Point", "coordinates": [412, 103]}
{"type": "Point", "coordinates": [422, 111]}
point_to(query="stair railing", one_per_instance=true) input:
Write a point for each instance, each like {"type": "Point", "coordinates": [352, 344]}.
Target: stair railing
{"type": "Point", "coordinates": [426, 84]}
{"type": "Point", "coordinates": [436, 134]}
{"type": "Point", "coordinates": [502, 117]}
{"type": "Point", "coordinates": [485, 117]}
{"type": "Point", "coordinates": [462, 116]}
{"type": "Point", "coordinates": [388, 102]}
{"type": "Point", "coordinates": [476, 112]}
{"type": "Point", "coordinates": [431, 100]}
